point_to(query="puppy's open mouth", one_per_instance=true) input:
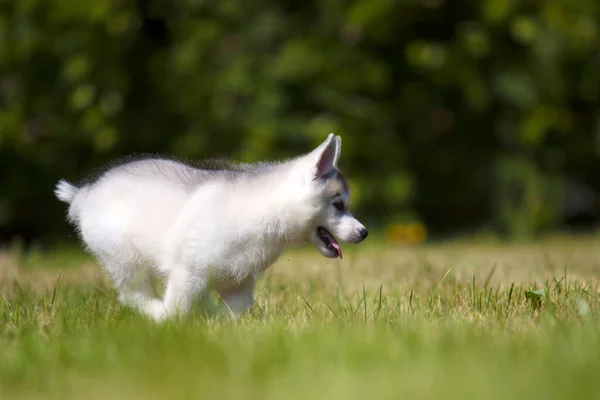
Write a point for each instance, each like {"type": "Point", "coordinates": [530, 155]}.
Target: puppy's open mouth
{"type": "Point", "coordinates": [329, 241]}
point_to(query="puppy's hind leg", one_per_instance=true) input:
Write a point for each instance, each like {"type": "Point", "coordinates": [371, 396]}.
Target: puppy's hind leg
{"type": "Point", "coordinates": [134, 286]}
{"type": "Point", "coordinates": [140, 298]}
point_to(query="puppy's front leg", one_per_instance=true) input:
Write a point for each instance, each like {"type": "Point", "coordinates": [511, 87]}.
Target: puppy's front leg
{"type": "Point", "coordinates": [182, 289]}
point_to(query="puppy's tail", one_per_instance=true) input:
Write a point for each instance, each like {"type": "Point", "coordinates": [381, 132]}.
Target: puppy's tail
{"type": "Point", "coordinates": [65, 191]}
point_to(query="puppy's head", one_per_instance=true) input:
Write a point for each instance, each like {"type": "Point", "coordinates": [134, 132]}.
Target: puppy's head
{"type": "Point", "coordinates": [330, 195]}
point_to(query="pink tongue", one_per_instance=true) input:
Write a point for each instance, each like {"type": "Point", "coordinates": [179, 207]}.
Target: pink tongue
{"type": "Point", "coordinates": [336, 246]}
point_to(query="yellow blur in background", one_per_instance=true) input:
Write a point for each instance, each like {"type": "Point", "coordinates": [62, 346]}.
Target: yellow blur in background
{"type": "Point", "coordinates": [410, 233]}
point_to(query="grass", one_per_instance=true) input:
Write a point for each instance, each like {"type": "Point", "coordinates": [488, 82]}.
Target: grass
{"type": "Point", "coordinates": [452, 321]}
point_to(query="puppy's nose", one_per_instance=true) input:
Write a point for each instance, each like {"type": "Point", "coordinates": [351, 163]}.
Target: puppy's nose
{"type": "Point", "coordinates": [364, 233]}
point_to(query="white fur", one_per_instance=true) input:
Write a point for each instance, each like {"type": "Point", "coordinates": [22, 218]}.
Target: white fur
{"type": "Point", "coordinates": [200, 230]}
{"type": "Point", "coordinates": [64, 191]}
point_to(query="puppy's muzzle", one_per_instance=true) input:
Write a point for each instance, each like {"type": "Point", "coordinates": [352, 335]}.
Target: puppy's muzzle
{"type": "Point", "coordinates": [357, 236]}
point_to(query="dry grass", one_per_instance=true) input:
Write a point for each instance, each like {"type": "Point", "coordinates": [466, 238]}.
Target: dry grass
{"type": "Point", "coordinates": [460, 320]}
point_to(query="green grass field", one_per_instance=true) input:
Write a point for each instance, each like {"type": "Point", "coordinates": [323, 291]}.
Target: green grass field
{"type": "Point", "coordinates": [447, 321]}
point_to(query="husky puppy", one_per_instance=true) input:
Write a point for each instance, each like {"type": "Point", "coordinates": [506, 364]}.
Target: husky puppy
{"type": "Point", "coordinates": [213, 227]}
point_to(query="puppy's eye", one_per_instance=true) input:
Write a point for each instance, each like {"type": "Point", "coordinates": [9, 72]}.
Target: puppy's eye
{"type": "Point", "coordinates": [339, 205]}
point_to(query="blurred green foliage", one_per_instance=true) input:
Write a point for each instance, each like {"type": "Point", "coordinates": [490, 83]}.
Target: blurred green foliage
{"type": "Point", "coordinates": [459, 113]}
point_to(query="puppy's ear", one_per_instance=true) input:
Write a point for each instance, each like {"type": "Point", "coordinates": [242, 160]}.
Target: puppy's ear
{"type": "Point", "coordinates": [338, 150]}
{"type": "Point", "coordinates": [324, 158]}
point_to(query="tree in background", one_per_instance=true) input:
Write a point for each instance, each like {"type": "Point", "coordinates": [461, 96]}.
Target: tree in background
{"type": "Point", "coordinates": [462, 114]}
